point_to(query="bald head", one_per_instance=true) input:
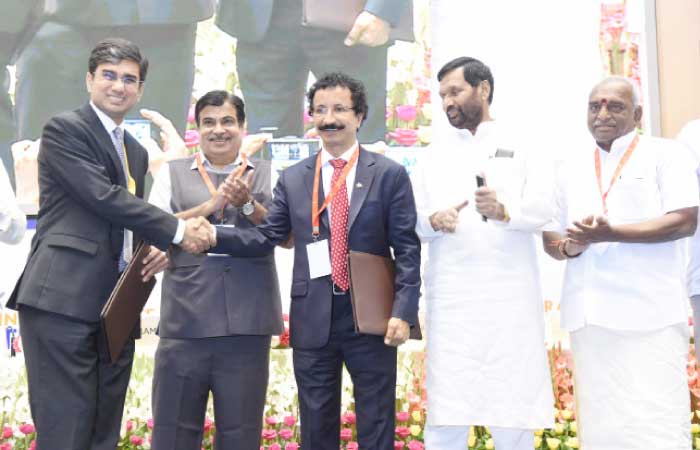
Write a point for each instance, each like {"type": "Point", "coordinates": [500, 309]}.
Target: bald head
{"type": "Point", "coordinates": [613, 110]}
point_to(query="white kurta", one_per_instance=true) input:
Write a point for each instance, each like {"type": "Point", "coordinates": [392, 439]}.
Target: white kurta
{"type": "Point", "coordinates": [486, 354]}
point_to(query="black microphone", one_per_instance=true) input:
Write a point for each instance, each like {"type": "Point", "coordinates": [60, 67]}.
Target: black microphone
{"type": "Point", "coordinates": [481, 181]}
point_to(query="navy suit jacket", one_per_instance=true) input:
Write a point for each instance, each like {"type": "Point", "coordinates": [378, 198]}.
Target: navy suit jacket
{"type": "Point", "coordinates": [248, 20]}
{"type": "Point", "coordinates": [382, 218]}
{"type": "Point", "coordinates": [84, 207]}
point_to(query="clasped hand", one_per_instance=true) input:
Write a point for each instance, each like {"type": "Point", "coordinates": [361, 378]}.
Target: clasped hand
{"type": "Point", "coordinates": [199, 235]}
{"type": "Point", "coordinates": [590, 230]}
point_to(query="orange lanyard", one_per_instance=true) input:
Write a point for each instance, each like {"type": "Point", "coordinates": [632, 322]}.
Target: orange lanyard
{"type": "Point", "coordinates": [621, 164]}
{"type": "Point", "coordinates": [315, 210]}
{"type": "Point", "coordinates": [207, 180]}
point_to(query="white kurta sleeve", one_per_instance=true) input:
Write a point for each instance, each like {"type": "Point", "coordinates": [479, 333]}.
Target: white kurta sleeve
{"type": "Point", "coordinates": [13, 222]}
{"type": "Point", "coordinates": [559, 207]}
{"type": "Point", "coordinates": [676, 175]}
{"type": "Point", "coordinates": [161, 191]}
{"type": "Point", "coordinates": [419, 180]}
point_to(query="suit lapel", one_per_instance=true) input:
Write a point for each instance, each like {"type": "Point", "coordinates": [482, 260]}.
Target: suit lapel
{"type": "Point", "coordinates": [105, 142]}
{"type": "Point", "coordinates": [363, 181]}
{"type": "Point", "coordinates": [309, 182]}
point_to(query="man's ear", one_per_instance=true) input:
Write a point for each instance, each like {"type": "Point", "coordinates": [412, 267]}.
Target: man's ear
{"type": "Point", "coordinates": [89, 78]}
{"type": "Point", "coordinates": [485, 87]}
{"type": "Point", "coordinates": [638, 114]}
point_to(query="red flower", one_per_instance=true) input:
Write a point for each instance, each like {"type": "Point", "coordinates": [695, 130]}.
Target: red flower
{"type": "Point", "coordinates": [271, 420]}
{"type": "Point", "coordinates": [7, 432]}
{"type": "Point", "coordinates": [284, 338]}
{"type": "Point", "coordinates": [136, 440]}
{"type": "Point", "coordinates": [149, 423]}
{"type": "Point", "coordinates": [129, 425]}
{"type": "Point", "coordinates": [404, 136]}
{"type": "Point", "coordinates": [406, 113]}
{"type": "Point", "coordinates": [190, 115]}
{"type": "Point", "coordinates": [207, 424]}
{"type": "Point", "coordinates": [26, 428]}
{"type": "Point", "coordinates": [191, 138]}
{"type": "Point", "coordinates": [403, 432]}
{"type": "Point", "coordinates": [399, 445]}
{"type": "Point", "coordinates": [348, 418]}
{"type": "Point", "coordinates": [286, 434]}
{"type": "Point", "coordinates": [275, 446]}
{"type": "Point", "coordinates": [291, 446]}
{"type": "Point", "coordinates": [290, 421]}
{"type": "Point", "coordinates": [352, 446]}
{"type": "Point", "coordinates": [403, 416]}
{"type": "Point", "coordinates": [269, 434]}
{"type": "Point", "coordinates": [346, 434]}
{"type": "Point", "coordinates": [6, 446]}
{"type": "Point", "coordinates": [415, 445]}
{"type": "Point", "coordinates": [32, 445]}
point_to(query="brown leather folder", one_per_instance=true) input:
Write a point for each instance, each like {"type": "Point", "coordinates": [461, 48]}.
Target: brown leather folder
{"type": "Point", "coordinates": [372, 293]}
{"type": "Point", "coordinates": [123, 308]}
{"type": "Point", "coordinates": [341, 15]}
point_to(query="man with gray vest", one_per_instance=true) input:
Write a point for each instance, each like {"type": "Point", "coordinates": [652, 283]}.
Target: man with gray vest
{"type": "Point", "coordinates": [217, 311]}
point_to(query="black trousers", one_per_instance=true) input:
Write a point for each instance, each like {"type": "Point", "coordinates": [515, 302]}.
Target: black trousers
{"type": "Point", "coordinates": [233, 368]}
{"type": "Point", "coordinates": [273, 72]}
{"type": "Point", "coordinates": [51, 71]}
{"type": "Point", "coordinates": [318, 373]}
{"type": "Point", "coordinates": [76, 395]}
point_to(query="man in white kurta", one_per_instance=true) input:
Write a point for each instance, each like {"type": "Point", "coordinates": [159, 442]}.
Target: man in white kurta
{"type": "Point", "coordinates": [486, 355]}
{"type": "Point", "coordinates": [690, 136]}
{"type": "Point", "coordinates": [620, 227]}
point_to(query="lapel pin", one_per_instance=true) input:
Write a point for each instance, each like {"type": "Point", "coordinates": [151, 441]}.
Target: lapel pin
{"type": "Point", "coordinates": [358, 185]}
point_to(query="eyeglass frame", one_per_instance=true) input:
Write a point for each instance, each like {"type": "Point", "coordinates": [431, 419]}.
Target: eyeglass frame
{"type": "Point", "coordinates": [129, 81]}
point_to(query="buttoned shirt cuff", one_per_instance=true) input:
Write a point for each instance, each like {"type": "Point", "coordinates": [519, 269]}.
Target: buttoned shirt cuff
{"type": "Point", "coordinates": [180, 233]}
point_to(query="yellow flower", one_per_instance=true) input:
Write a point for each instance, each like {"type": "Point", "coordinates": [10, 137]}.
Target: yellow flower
{"type": "Point", "coordinates": [472, 440]}
{"type": "Point", "coordinates": [573, 426]}
{"type": "Point", "coordinates": [415, 430]}
{"type": "Point", "coordinates": [538, 441]}
{"type": "Point", "coordinates": [489, 444]}
{"type": "Point", "coordinates": [695, 428]}
{"type": "Point", "coordinates": [558, 428]}
{"type": "Point", "coordinates": [425, 134]}
{"type": "Point", "coordinates": [566, 414]}
{"type": "Point", "coordinates": [572, 442]}
{"type": "Point", "coordinates": [697, 442]}
{"type": "Point", "coordinates": [556, 413]}
{"type": "Point", "coordinates": [553, 443]}
{"type": "Point", "coordinates": [539, 432]}
{"type": "Point", "coordinates": [416, 416]}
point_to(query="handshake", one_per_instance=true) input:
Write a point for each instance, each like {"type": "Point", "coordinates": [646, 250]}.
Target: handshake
{"type": "Point", "coordinates": [199, 236]}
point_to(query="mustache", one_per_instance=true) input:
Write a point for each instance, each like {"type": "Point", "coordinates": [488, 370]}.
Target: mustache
{"type": "Point", "coordinates": [331, 127]}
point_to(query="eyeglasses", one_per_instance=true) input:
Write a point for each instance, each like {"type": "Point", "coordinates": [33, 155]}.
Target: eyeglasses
{"type": "Point", "coordinates": [322, 110]}
{"type": "Point", "coordinates": [612, 107]}
{"type": "Point", "coordinates": [129, 81]}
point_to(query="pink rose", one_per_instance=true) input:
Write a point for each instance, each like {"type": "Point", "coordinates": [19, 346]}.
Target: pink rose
{"type": "Point", "coordinates": [352, 446]}
{"type": "Point", "coordinates": [407, 113]}
{"type": "Point", "coordinates": [269, 434]}
{"type": "Point", "coordinates": [6, 446]}
{"type": "Point", "coordinates": [271, 420]}
{"type": "Point", "coordinates": [290, 421]}
{"type": "Point", "coordinates": [129, 425]}
{"type": "Point", "coordinates": [32, 445]}
{"type": "Point", "coordinates": [136, 440]}
{"type": "Point", "coordinates": [348, 418]}
{"type": "Point", "coordinates": [274, 446]}
{"type": "Point", "coordinates": [191, 138]}
{"type": "Point", "coordinates": [7, 432]}
{"type": "Point", "coordinates": [291, 446]}
{"type": "Point", "coordinates": [405, 137]}
{"type": "Point", "coordinates": [207, 424]}
{"type": "Point", "coordinates": [346, 434]}
{"type": "Point", "coordinates": [190, 115]}
{"type": "Point", "coordinates": [403, 416]}
{"type": "Point", "coordinates": [399, 445]}
{"type": "Point", "coordinates": [403, 432]}
{"type": "Point", "coordinates": [26, 428]}
{"type": "Point", "coordinates": [415, 445]}
{"type": "Point", "coordinates": [286, 434]}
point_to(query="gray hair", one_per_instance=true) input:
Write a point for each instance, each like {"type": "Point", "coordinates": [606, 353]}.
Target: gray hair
{"type": "Point", "coordinates": [617, 79]}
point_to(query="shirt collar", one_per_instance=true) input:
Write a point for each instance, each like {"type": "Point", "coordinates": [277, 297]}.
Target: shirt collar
{"type": "Point", "coordinates": [620, 144]}
{"type": "Point", "coordinates": [106, 121]}
{"type": "Point", "coordinates": [346, 155]}
{"type": "Point", "coordinates": [482, 130]}
{"type": "Point", "coordinates": [227, 169]}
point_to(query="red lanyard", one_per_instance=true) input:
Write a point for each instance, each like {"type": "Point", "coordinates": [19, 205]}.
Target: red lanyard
{"type": "Point", "coordinates": [621, 164]}
{"type": "Point", "coordinates": [315, 210]}
{"type": "Point", "coordinates": [207, 180]}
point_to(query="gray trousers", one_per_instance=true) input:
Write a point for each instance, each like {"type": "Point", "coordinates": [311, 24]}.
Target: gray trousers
{"type": "Point", "coordinates": [233, 368]}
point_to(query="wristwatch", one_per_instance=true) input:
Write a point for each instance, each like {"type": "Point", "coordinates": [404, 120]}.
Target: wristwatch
{"type": "Point", "coordinates": [248, 208]}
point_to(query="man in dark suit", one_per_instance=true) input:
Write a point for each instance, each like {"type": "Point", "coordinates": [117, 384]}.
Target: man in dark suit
{"type": "Point", "coordinates": [90, 177]}
{"type": "Point", "coordinates": [218, 312]}
{"type": "Point", "coordinates": [275, 53]}
{"type": "Point", "coordinates": [165, 30]}
{"type": "Point", "coordinates": [379, 216]}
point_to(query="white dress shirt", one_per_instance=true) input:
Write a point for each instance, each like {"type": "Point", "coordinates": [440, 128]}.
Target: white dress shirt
{"type": "Point", "coordinates": [110, 125]}
{"type": "Point", "coordinates": [327, 173]}
{"type": "Point", "coordinates": [13, 222]}
{"type": "Point", "coordinates": [626, 286]}
{"type": "Point", "coordinates": [690, 136]}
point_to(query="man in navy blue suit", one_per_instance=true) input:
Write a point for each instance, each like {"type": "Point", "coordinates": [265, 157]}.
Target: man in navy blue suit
{"type": "Point", "coordinates": [365, 203]}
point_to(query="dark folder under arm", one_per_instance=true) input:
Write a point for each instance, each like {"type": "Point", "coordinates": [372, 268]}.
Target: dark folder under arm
{"type": "Point", "coordinates": [123, 309]}
{"type": "Point", "coordinates": [372, 293]}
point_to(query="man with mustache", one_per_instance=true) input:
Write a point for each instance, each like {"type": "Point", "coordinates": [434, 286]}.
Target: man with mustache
{"type": "Point", "coordinates": [486, 357]}
{"type": "Point", "coordinates": [217, 312]}
{"type": "Point", "coordinates": [623, 207]}
{"type": "Point", "coordinates": [343, 198]}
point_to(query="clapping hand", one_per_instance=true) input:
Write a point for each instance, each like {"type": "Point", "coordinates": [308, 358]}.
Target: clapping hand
{"type": "Point", "coordinates": [590, 230]}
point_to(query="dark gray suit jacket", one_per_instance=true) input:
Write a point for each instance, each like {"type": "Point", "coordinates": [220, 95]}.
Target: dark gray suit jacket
{"type": "Point", "coordinates": [248, 20]}
{"type": "Point", "coordinates": [382, 218]}
{"type": "Point", "coordinates": [84, 208]}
